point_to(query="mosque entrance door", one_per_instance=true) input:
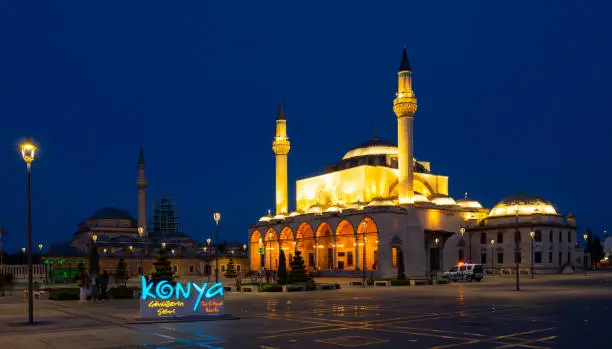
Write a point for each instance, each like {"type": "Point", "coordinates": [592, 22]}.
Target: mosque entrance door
{"type": "Point", "coordinates": [434, 259]}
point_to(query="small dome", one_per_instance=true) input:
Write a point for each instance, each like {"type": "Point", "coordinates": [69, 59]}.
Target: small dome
{"type": "Point", "coordinates": [525, 204]}
{"type": "Point", "coordinates": [469, 203]}
{"type": "Point", "coordinates": [442, 200]}
{"type": "Point", "coordinates": [265, 218]}
{"type": "Point", "coordinates": [279, 216]}
{"type": "Point", "coordinates": [333, 209]}
{"type": "Point", "coordinates": [381, 203]}
{"type": "Point", "coordinates": [355, 206]}
{"type": "Point", "coordinates": [315, 209]}
{"type": "Point", "coordinates": [418, 197]}
{"type": "Point", "coordinates": [112, 213]}
{"type": "Point", "coordinates": [294, 213]}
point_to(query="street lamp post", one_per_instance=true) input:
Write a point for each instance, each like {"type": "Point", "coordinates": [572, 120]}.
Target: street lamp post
{"type": "Point", "coordinates": [28, 152]}
{"type": "Point", "coordinates": [44, 269]}
{"type": "Point", "coordinates": [586, 237]}
{"type": "Point", "coordinates": [492, 256]}
{"type": "Point", "coordinates": [217, 218]}
{"type": "Point", "coordinates": [270, 253]}
{"type": "Point", "coordinates": [363, 227]}
{"type": "Point", "coordinates": [140, 232]}
{"type": "Point", "coordinates": [532, 235]}
{"type": "Point", "coordinates": [517, 243]}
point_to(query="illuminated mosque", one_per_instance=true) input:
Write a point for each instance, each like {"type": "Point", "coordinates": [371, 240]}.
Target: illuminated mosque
{"type": "Point", "coordinates": [380, 206]}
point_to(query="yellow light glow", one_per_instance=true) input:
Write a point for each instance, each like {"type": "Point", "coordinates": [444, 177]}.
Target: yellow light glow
{"type": "Point", "coordinates": [28, 151]}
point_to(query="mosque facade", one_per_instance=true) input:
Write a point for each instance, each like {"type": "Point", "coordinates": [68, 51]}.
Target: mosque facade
{"type": "Point", "coordinates": [379, 207]}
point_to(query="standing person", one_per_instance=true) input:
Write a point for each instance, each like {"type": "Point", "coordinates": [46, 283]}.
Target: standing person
{"type": "Point", "coordinates": [94, 285]}
{"type": "Point", "coordinates": [103, 284]}
{"type": "Point", "coordinates": [81, 281]}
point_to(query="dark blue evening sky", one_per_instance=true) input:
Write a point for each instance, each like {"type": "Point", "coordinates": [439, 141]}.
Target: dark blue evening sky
{"type": "Point", "coordinates": [513, 96]}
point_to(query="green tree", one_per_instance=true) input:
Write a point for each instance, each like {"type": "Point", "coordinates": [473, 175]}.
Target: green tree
{"type": "Point", "coordinates": [163, 270]}
{"type": "Point", "coordinates": [282, 268]}
{"type": "Point", "coordinates": [121, 273]}
{"type": "Point", "coordinates": [298, 272]}
{"type": "Point", "coordinates": [597, 250]}
{"type": "Point", "coordinates": [94, 261]}
{"type": "Point", "coordinates": [230, 272]}
{"type": "Point", "coordinates": [401, 268]}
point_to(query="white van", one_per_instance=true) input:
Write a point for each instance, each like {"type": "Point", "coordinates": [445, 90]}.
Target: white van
{"type": "Point", "coordinates": [467, 272]}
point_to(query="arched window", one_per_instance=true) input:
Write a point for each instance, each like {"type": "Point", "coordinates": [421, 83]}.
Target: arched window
{"type": "Point", "coordinates": [483, 238]}
{"type": "Point", "coordinates": [500, 238]}
{"type": "Point", "coordinates": [538, 236]}
{"type": "Point", "coordinates": [550, 237]}
{"type": "Point", "coordinates": [238, 267]}
{"type": "Point", "coordinates": [191, 268]}
{"type": "Point", "coordinates": [517, 236]}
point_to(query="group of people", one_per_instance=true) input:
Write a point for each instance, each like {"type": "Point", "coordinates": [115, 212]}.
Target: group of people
{"type": "Point", "coordinates": [93, 286]}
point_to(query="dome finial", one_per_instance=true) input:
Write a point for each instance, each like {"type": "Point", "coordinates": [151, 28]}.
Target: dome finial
{"type": "Point", "coordinates": [375, 132]}
{"type": "Point", "coordinates": [466, 194]}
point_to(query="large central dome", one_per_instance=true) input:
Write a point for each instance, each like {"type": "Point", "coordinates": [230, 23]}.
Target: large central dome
{"type": "Point", "coordinates": [374, 146]}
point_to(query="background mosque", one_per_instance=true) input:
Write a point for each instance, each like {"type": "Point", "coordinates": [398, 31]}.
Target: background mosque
{"type": "Point", "coordinates": [379, 200]}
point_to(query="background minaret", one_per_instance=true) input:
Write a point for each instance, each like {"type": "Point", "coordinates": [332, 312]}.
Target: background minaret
{"type": "Point", "coordinates": [404, 107]}
{"type": "Point", "coordinates": [281, 146]}
{"type": "Point", "coordinates": [141, 184]}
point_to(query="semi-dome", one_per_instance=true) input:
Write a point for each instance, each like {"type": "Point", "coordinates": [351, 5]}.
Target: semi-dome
{"type": "Point", "coordinates": [375, 146]}
{"type": "Point", "coordinates": [524, 204]}
{"type": "Point", "coordinates": [111, 213]}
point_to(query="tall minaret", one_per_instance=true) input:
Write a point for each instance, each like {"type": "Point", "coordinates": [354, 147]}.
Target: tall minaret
{"type": "Point", "coordinates": [281, 146]}
{"type": "Point", "coordinates": [141, 184]}
{"type": "Point", "coordinates": [404, 106]}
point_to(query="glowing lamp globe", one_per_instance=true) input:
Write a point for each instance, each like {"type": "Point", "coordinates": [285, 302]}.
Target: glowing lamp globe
{"type": "Point", "coordinates": [28, 151]}
{"type": "Point", "coordinates": [217, 217]}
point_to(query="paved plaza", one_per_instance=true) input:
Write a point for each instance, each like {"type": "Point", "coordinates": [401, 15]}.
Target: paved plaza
{"type": "Point", "coordinates": [557, 311]}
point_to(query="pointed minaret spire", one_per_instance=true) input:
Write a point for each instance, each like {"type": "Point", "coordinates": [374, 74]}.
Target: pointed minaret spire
{"type": "Point", "coordinates": [280, 115]}
{"type": "Point", "coordinates": [141, 161]}
{"type": "Point", "coordinates": [404, 64]}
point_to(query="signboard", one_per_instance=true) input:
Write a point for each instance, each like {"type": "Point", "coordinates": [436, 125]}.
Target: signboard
{"type": "Point", "coordinates": [164, 300]}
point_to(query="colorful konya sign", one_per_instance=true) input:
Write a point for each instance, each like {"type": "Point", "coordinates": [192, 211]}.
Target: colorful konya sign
{"type": "Point", "coordinates": [163, 299]}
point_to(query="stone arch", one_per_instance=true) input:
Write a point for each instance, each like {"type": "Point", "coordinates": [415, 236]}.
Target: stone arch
{"type": "Point", "coordinates": [255, 256]}
{"type": "Point", "coordinates": [271, 249]}
{"type": "Point", "coordinates": [325, 248]}
{"type": "Point", "coordinates": [396, 250]}
{"type": "Point", "coordinates": [286, 243]}
{"type": "Point", "coordinates": [345, 245]}
{"type": "Point", "coordinates": [305, 243]}
{"type": "Point", "coordinates": [368, 243]}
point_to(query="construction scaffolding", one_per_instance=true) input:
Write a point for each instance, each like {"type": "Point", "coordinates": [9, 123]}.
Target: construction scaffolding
{"type": "Point", "coordinates": [165, 220]}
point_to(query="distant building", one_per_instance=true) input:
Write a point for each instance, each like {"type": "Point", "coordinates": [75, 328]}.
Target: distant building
{"type": "Point", "coordinates": [117, 235]}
